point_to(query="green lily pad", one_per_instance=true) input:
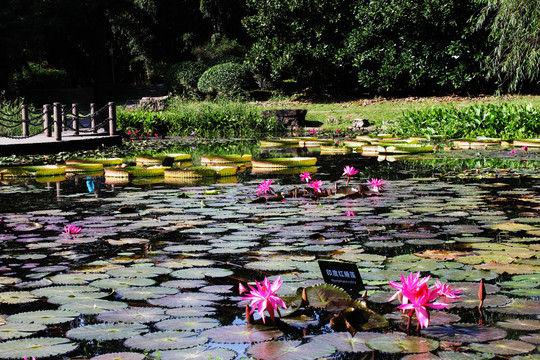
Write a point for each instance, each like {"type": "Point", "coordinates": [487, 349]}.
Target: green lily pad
{"type": "Point", "coordinates": [76, 278]}
{"type": "Point", "coordinates": [104, 332]}
{"type": "Point", "coordinates": [139, 271]}
{"type": "Point", "coordinates": [290, 350]}
{"type": "Point", "coordinates": [465, 332]}
{"type": "Point", "coordinates": [533, 338]}
{"type": "Point", "coordinates": [119, 356]}
{"type": "Point", "coordinates": [195, 353]}
{"type": "Point", "coordinates": [191, 311]}
{"type": "Point", "coordinates": [17, 297]}
{"type": "Point", "coordinates": [145, 292]}
{"type": "Point", "coordinates": [44, 316]}
{"type": "Point", "coordinates": [400, 343]}
{"type": "Point", "coordinates": [115, 283]}
{"type": "Point", "coordinates": [520, 306]}
{"type": "Point", "coordinates": [62, 290]}
{"type": "Point", "coordinates": [14, 330]}
{"type": "Point", "coordinates": [75, 297]}
{"type": "Point", "coordinates": [345, 342]}
{"type": "Point", "coordinates": [35, 347]}
{"type": "Point", "coordinates": [503, 347]}
{"type": "Point", "coordinates": [201, 273]}
{"type": "Point", "coordinates": [134, 315]}
{"type": "Point", "coordinates": [520, 324]}
{"type": "Point", "coordinates": [187, 299]}
{"type": "Point", "coordinates": [93, 306]}
{"type": "Point", "coordinates": [187, 324]}
{"type": "Point", "coordinates": [165, 340]}
{"type": "Point", "coordinates": [238, 334]}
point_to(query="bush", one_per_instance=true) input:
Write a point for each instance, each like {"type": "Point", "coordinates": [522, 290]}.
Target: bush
{"type": "Point", "coordinates": [40, 76]}
{"type": "Point", "coordinates": [182, 78]}
{"type": "Point", "coordinates": [505, 121]}
{"type": "Point", "coordinates": [226, 79]}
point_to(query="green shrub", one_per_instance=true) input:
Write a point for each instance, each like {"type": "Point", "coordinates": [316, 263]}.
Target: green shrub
{"type": "Point", "coordinates": [40, 76]}
{"type": "Point", "coordinates": [226, 79]}
{"type": "Point", "coordinates": [505, 121]}
{"type": "Point", "coordinates": [182, 77]}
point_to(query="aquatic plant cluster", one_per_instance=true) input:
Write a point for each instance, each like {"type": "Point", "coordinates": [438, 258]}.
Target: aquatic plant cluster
{"type": "Point", "coordinates": [153, 270]}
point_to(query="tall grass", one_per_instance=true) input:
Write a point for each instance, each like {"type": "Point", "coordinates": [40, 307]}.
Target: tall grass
{"type": "Point", "coordinates": [220, 119]}
{"type": "Point", "coordinates": [499, 121]}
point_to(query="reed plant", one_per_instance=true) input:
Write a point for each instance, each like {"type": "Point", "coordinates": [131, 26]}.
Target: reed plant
{"type": "Point", "coordinates": [506, 121]}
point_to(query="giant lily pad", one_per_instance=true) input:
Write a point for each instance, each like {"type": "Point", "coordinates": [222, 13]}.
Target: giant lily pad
{"type": "Point", "coordinates": [44, 316]}
{"type": "Point", "coordinates": [465, 332]}
{"type": "Point", "coordinates": [119, 356]}
{"type": "Point", "coordinates": [345, 342]}
{"type": "Point", "coordinates": [145, 292]}
{"type": "Point", "coordinates": [35, 347]}
{"type": "Point", "coordinates": [401, 343]}
{"type": "Point", "coordinates": [520, 306]}
{"type": "Point", "coordinates": [93, 306]}
{"type": "Point", "coordinates": [186, 299]}
{"type": "Point", "coordinates": [17, 297]}
{"type": "Point", "coordinates": [134, 315]}
{"type": "Point", "coordinates": [290, 350]}
{"type": "Point", "coordinates": [187, 324]}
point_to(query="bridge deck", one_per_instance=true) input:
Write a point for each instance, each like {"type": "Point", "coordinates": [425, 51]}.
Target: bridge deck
{"type": "Point", "coordinates": [41, 144]}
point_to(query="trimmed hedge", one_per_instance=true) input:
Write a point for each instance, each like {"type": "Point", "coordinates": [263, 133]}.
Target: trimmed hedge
{"type": "Point", "coordinates": [226, 79]}
{"type": "Point", "coordinates": [182, 77]}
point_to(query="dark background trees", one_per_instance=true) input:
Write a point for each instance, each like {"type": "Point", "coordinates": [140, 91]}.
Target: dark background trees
{"type": "Point", "coordinates": [354, 46]}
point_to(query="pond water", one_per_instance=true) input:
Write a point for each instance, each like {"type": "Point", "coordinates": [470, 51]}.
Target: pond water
{"type": "Point", "coordinates": [155, 269]}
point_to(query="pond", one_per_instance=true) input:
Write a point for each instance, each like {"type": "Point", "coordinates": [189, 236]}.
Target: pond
{"type": "Point", "coordinates": [155, 269]}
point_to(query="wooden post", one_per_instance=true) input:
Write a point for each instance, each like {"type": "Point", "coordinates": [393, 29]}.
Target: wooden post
{"type": "Point", "coordinates": [57, 118]}
{"type": "Point", "coordinates": [112, 118]}
{"type": "Point", "coordinates": [93, 118]}
{"type": "Point", "coordinates": [75, 113]}
{"type": "Point", "coordinates": [64, 118]}
{"type": "Point", "coordinates": [47, 120]}
{"type": "Point", "coordinates": [24, 123]}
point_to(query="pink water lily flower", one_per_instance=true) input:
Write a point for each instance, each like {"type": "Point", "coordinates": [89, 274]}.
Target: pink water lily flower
{"type": "Point", "coordinates": [71, 229]}
{"type": "Point", "coordinates": [376, 185]}
{"type": "Point", "coordinates": [446, 291]}
{"type": "Point", "coordinates": [420, 302]}
{"type": "Point", "coordinates": [316, 185]}
{"type": "Point", "coordinates": [349, 171]}
{"type": "Point", "coordinates": [265, 187]}
{"type": "Point", "coordinates": [305, 176]}
{"type": "Point", "coordinates": [410, 285]}
{"type": "Point", "coordinates": [265, 298]}
{"type": "Point", "coordinates": [524, 148]}
{"type": "Point", "coordinates": [513, 151]}
{"type": "Point", "coordinates": [349, 213]}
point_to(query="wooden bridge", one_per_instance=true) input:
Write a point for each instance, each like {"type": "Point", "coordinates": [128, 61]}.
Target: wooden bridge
{"type": "Point", "coordinates": [56, 128]}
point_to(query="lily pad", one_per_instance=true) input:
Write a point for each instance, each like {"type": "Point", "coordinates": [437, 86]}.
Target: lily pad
{"type": "Point", "coordinates": [104, 332]}
{"type": "Point", "coordinates": [134, 315]}
{"type": "Point", "coordinates": [186, 299]}
{"type": "Point", "coordinates": [17, 297]}
{"type": "Point", "coordinates": [465, 332]}
{"type": "Point", "coordinates": [44, 316]}
{"type": "Point", "coordinates": [345, 342]}
{"type": "Point", "coordinates": [115, 283]}
{"type": "Point", "coordinates": [165, 340]}
{"type": "Point", "coordinates": [520, 306]}
{"type": "Point", "coordinates": [238, 334]}
{"type": "Point", "coordinates": [520, 324]}
{"type": "Point", "coordinates": [35, 347]}
{"type": "Point", "coordinates": [400, 343]}
{"type": "Point", "coordinates": [187, 324]}
{"type": "Point", "coordinates": [14, 330]}
{"type": "Point", "coordinates": [139, 271]}
{"type": "Point", "coordinates": [201, 273]}
{"type": "Point", "coordinates": [290, 350]}
{"type": "Point", "coordinates": [145, 292]}
{"type": "Point", "coordinates": [503, 347]}
{"type": "Point", "coordinates": [119, 356]}
{"type": "Point", "coordinates": [191, 311]}
{"type": "Point", "coordinates": [93, 306]}
{"type": "Point", "coordinates": [195, 353]}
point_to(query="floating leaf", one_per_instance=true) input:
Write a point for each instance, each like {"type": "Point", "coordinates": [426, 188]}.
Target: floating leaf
{"type": "Point", "coordinates": [186, 299]}
{"type": "Point", "coordinates": [191, 311]}
{"type": "Point", "coordinates": [35, 347]}
{"type": "Point", "coordinates": [17, 297]}
{"type": "Point", "coordinates": [93, 306]}
{"type": "Point", "coordinates": [76, 279]}
{"type": "Point", "coordinates": [187, 324]}
{"type": "Point", "coordinates": [531, 338]}
{"type": "Point", "coordinates": [290, 350]}
{"type": "Point", "coordinates": [139, 271]}
{"type": "Point", "coordinates": [465, 332]}
{"type": "Point", "coordinates": [326, 294]}
{"type": "Point", "coordinates": [165, 340]}
{"type": "Point", "coordinates": [62, 290]}
{"type": "Point", "coordinates": [520, 306]}
{"type": "Point", "coordinates": [237, 334]}
{"type": "Point", "coordinates": [75, 297]}
{"type": "Point", "coordinates": [195, 353]}
{"type": "Point", "coordinates": [115, 283]}
{"type": "Point", "coordinates": [401, 343]}
{"type": "Point", "coordinates": [44, 316]}
{"type": "Point", "coordinates": [345, 342]}
{"type": "Point", "coordinates": [513, 227]}
{"type": "Point", "coordinates": [520, 324]}
{"type": "Point", "coordinates": [201, 273]}
{"type": "Point", "coordinates": [119, 356]}
{"type": "Point", "coordinates": [104, 332]}
{"type": "Point", "coordinates": [14, 330]}
{"type": "Point", "coordinates": [503, 347]}
{"type": "Point", "coordinates": [145, 292]}
{"type": "Point", "coordinates": [134, 315]}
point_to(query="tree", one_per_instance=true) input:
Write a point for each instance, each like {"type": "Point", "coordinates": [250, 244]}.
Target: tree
{"type": "Point", "coordinates": [415, 45]}
{"type": "Point", "coordinates": [515, 30]}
